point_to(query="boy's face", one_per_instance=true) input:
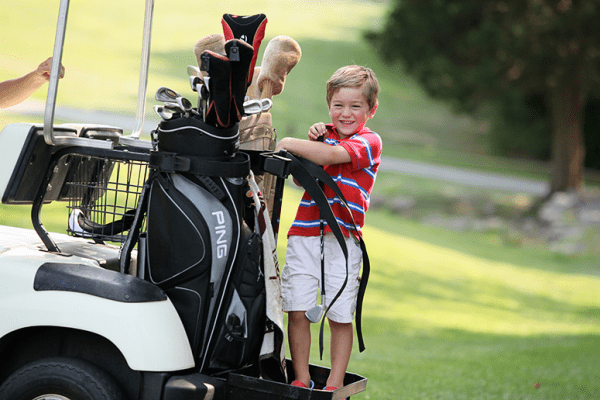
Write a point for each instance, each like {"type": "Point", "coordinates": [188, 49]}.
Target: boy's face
{"type": "Point", "coordinates": [349, 110]}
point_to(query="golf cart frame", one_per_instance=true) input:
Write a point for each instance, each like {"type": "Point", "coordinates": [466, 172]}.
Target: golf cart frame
{"type": "Point", "coordinates": [79, 300]}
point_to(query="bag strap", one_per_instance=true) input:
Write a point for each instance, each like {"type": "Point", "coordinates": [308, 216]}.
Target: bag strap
{"type": "Point", "coordinates": [238, 166]}
{"type": "Point", "coordinates": [319, 173]}
{"type": "Point", "coordinates": [304, 171]}
{"type": "Point", "coordinates": [134, 230]}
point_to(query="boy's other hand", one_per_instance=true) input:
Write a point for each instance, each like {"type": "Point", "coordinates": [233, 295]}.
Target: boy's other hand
{"type": "Point", "coordinates": [317, 131]}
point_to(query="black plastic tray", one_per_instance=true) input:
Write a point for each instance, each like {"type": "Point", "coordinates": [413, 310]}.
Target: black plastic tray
{"type": "Point", "coordinates": [243, 387]}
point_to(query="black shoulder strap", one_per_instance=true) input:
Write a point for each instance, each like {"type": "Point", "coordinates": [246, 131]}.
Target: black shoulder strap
{"type": "Point", "coordinates": [134, 230]}
{"type": "Point", "coordinates": [302, 167]}
{"type": "Point", "coordinates": [237, 166]}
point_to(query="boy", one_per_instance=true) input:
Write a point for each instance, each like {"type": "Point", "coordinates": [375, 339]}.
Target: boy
{"type": "Point", "coordinates": [350, 153]}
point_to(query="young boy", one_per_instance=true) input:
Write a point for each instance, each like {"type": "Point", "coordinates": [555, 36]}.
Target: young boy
{"type": "Point", "coordinates": [350, 153]}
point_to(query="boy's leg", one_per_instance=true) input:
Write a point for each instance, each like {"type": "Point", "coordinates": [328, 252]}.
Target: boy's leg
{"type": "Point", "coordinates": [341, 348]}
{"type": "Point", "coordinates": [299, 338]}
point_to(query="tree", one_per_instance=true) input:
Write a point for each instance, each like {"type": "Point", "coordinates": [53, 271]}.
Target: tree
{"type": "Point", "coordinates": [472, 51]}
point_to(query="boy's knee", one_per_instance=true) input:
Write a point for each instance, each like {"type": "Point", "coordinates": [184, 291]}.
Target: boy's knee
{"type": "Point", "coordinates": [297, 317]}
{"type": "Point", "coordinates": [339, 325]}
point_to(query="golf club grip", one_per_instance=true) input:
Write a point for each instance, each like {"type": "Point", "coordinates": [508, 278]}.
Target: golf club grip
{"type": "Point", "coordinates": [322, 233]}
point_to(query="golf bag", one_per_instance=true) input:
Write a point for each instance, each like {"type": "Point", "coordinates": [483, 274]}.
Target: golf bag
{"type": "Point", "coordinates": [202, 246]}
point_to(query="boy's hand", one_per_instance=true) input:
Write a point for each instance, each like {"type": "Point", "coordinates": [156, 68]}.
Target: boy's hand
{"type": "Point", "coordinates": [317, 131]}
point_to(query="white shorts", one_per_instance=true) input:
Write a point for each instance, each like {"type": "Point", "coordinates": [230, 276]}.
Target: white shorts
{"type": "Point", "coordinates": [301, 276]}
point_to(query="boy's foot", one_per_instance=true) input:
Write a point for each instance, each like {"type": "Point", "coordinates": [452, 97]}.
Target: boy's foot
{"type": "Point", "coordinates": [302, 385]}
{"type": "Point", "coordinates": [331, 389]}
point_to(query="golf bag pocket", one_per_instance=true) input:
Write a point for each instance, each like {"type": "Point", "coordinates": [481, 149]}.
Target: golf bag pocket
{"type": "Point", "coordinates": [178, 236]}
{"type": "Point", "coordinates": [189, 236]}
{"type": "Point", "coordinates": [239, 330]}
{"type": "Point", "coordinates": [191, 306]}
{"type": "Point", "coordinates": [193, 137]}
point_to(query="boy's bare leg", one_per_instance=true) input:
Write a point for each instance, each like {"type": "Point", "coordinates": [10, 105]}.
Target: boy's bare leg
{"type": "Point", "coordinates": [299, 338]}
{"type": "Point", "coordinates": [341, 348]}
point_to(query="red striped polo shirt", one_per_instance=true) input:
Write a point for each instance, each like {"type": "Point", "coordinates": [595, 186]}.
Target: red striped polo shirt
{"type": "Point", "coordinates": [355, 180]}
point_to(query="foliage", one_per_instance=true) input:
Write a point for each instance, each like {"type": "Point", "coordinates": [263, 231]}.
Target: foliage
{"type": "Point", "coordinates": [473, 51]}
{"type": "Point", "coordinates": [520, 127]}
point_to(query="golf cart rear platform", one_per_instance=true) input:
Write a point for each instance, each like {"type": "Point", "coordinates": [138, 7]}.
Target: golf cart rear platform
{"type": "Point", "coordinates": [238, 386]}
{"type": "Point", "coordinates": [242, 387]}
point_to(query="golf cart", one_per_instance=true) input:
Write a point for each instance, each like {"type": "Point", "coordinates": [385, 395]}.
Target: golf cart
{"type": "Point", "coordinates": [90, 314]}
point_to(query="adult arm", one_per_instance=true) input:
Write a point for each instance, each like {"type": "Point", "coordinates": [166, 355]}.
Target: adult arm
{"type": "Point", "coordinates": [14, 91]}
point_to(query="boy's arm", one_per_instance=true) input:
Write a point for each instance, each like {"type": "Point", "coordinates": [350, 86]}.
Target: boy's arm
{"type": "Point", "coordinates": [317, 152]}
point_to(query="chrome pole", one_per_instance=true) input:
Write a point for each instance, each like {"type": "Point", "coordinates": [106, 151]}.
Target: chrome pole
{"type": "Point", "coordinates": [55, 72]}
{"type": "Point", "coordinates": [145, 62]}
{"type": "Point", "coordinates": [59, 42]}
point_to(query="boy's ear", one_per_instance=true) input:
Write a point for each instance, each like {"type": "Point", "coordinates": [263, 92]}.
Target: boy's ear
{"type": "Point", "coordinates": [372, 112]}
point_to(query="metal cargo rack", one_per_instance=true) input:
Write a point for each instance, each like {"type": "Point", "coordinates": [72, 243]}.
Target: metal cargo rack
{"type": "Point", "coordinates": [102, 188]}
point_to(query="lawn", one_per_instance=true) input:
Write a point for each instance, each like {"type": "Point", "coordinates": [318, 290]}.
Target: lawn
{"type": "Point", "coordinates": [455, 317]}
{"type": "Point", "coordinates": [102, 59]}
{"type": "Point", "coordinates": [447, 315]}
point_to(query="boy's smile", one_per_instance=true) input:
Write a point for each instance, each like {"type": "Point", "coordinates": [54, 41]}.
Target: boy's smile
{"type": "Point", "coordinates": [349, 110]}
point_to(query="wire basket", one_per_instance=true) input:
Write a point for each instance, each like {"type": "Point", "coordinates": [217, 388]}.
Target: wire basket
{"type": "Point", "coordinates": [103, 196]}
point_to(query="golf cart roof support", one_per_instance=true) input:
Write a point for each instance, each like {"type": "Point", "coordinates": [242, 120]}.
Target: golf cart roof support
{"type": "Point", "coordinates": [59, 41]}
{"type": "Point", "coordinates": [145, 62]}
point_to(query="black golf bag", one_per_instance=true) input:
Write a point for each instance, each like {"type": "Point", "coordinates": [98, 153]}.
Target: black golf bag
{"type": "Point", "coordinates": [201, 246]}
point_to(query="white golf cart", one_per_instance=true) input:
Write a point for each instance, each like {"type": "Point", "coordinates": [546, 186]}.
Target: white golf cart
{"type": "Point", "coordinates": [78, 319]}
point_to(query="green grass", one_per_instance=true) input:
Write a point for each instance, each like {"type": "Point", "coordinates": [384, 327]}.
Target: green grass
{"type": "Point", "coordinates": [457, 317]}
{"type": "Point", "coordinates": [447, 315]}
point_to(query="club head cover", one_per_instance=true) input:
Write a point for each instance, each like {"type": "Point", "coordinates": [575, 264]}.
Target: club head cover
{"type": "Point", "coordinates": [219, 104]}
{"type": "Point", "coordinates": [214, 43]}
{"type": "Point", "coordinates": [240, 56]}
{"type": "Point", "coordinates": [249, 28]}
{"type": "Point", "coordinates": [253, 93]}
{"type": "Point", "coordinates": [281, 55]}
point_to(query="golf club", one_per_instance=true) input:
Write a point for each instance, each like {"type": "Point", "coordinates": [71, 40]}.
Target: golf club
{"type": "Point", "coordinates": [165, 114]}
{"type": "Point", "coordinates": [174, 108]}
{"type": "Point", "coordinates": [257, 106]}
{"type": "Point", "coordinates": [164, 94]}
{"type": "Point", "coordinates": [315, 313]}
{"type": "Point", "coordinates": [193, 71]}
{"type": "Point", "coordinates": [196, 85]}
{"type": "Point", "coordinates": [252, 107]}
{"type": "Point", "coordinates": [185, 104]}
{"type": "Point", "coordinates": [266, 104]}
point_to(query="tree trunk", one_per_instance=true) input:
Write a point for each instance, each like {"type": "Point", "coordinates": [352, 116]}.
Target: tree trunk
{"type": "Point", "coordinates": [568, 150]}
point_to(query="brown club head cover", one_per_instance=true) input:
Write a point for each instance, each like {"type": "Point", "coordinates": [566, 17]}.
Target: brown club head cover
{"type": "Point", "coordinates": [281, 55]}
{"type": "Point", "coordinates": [214, 43]}
{"type": "Point", "coordinates": [253, 91]}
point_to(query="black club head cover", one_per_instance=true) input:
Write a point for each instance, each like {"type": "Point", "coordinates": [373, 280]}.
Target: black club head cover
{"type": "Point", "coordinates": [240, 59]}
{"type": "Point", "coordinates": [250, 29]}
{"type": "Point", "coordinates": [219, 87]}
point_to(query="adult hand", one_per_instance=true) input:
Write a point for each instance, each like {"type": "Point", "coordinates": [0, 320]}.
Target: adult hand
{"type": "Point", "coordinates": [45, 67]}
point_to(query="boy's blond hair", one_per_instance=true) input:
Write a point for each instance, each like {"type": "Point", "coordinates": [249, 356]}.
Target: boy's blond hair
{"type": "Point", "coordinates": [354, 76]}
